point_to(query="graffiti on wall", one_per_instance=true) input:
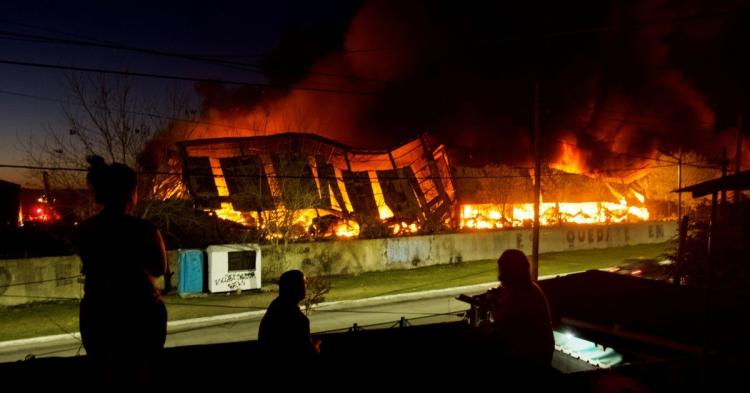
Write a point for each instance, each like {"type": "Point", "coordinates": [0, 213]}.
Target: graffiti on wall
{"type": "Point", "coordinates": [603, 235]}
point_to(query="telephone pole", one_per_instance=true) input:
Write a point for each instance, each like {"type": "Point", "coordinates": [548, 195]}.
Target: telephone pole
{"type": "Point", "coordinates": [724, 165]}
{"type": "Point", "coordinates": [537, 187]}
{"type": "Point", "coordinates": [738, 156]}
{"type": "Point", "coordinates": [679, 186]}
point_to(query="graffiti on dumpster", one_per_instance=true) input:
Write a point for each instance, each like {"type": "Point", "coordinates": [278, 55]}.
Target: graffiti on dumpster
{"type": "Point", "coordinates": [234, 280]}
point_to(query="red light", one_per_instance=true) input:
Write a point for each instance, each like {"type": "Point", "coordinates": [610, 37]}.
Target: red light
{"type": "Point", "coordinates": [43, 213]}
{"type": "Point", "coordinates": [636, 272]}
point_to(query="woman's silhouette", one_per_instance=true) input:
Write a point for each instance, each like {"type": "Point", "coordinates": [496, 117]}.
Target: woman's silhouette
{"type": "Point", "coordinates": [122, 318]}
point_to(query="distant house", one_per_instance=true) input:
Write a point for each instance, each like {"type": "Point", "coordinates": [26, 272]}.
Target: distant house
{"type": "Point", "coordinates": [10, 204]}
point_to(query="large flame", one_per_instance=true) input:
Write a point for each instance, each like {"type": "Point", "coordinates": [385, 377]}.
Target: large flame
{"type": "Point", "coordinates": [491, 216]}
{"type": "Point", "coordinates": [384, 211]}
{"type": "Point", "coordinates": [570, 159]}
{"type": "Point", "coordinates": [347, 229]}
{"type": "Point", "coordinates": [227, 212]}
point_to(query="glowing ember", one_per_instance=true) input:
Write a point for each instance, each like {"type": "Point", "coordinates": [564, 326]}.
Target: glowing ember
{"type": "Point", "coordinates": [489, 216]}
{"type": "Point", "coordinates": [347, 229]}
{"type": "Point", "coordinates": [404, 229]}
{"type": "Point", "coordinates": [227, 212]}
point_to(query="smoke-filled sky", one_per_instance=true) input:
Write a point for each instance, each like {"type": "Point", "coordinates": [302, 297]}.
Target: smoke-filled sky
{"type": "Point", "coordinates": [619, 79]}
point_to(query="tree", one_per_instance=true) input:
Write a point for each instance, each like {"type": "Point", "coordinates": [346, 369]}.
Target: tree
{"type": "Point", "coordinates": [112, 117]}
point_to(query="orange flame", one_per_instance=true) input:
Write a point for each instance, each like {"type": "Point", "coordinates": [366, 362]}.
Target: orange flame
{"type": "Point", "coordinates": [490, 216]}
{"type": "Point", "coordinates": [571, 159]}
{"type": "Point", "coordinates": [347, 229]}
{"type": "Point", "coordinates": [383, 210]}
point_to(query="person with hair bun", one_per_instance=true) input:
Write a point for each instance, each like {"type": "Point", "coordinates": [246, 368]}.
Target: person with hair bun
{"type": "Point", "coordinates": [123, 319]}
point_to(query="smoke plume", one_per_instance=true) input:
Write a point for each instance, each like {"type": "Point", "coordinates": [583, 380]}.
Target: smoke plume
{"type": "Point", "coordinates": [619, 81]}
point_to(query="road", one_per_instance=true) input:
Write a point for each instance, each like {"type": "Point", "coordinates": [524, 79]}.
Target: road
{"type": "Point", "coordinates": [323, 320]}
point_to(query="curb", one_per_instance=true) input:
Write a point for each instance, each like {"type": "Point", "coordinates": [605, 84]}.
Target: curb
{"type": "Point", "coordinates": [219, 319]}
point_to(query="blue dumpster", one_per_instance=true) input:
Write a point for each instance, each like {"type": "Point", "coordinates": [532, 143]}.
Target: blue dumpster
{"type": "Point", "coordinates": [191, 271]}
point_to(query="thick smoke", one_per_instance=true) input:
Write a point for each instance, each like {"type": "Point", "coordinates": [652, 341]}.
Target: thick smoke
{"type": "Point", "coordinates": [618, 80]}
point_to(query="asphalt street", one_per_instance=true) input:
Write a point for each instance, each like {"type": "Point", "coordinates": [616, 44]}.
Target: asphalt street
{"type": "Point", "coordinates": [324, 319]}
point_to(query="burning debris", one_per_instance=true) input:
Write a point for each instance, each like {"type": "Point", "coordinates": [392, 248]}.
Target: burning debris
{"type": "Point", "coordinates": [302, 185]}
{"type": "Point", "coordinates": [502, 197]}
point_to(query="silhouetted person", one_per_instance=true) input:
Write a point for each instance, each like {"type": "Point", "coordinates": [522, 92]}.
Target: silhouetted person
{"type": "Point", "coordinates": [522, 321]}
{"type": "Point", "coordinates": [122, 318]}
{"type": "Point", "coordinates": [284, 332]}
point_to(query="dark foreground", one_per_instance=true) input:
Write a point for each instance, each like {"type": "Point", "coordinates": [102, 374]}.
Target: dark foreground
{"type": "Point", "coordinates": [670, 337]}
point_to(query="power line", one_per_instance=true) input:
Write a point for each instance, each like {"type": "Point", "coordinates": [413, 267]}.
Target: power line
{"type": "Point", "coordinates": [193, 304]}
{"type": "Point", "coordinates": [65, 331]}
{"type": "Point", "coordinates": [43, 168]}
{"type": "Point", "coordinates": [564, 142]}
{"type": "Point", "coordinates": [220, 56]}
{"type": "Point", "coordinates": [257, 68]}
{"type": "Point", "coordinates": [392, 324]}
{"type": "Point", "coordinates": [242, 128]}
{"type": "Point", "coordinates": [561, 173]}
{"type": "Point", "coordinates": [182, 78]}
{"type": "Point", "coordinates": [191, 121]}
{"type": "Point", "coordinates": [53, 31]}
{"type": "Point", "coordinates": [169, 303]}
{"type": "Point", "coordinates": [672, 163]}
{"type": "Point", "coordinates": [113, 45]}
{"type": "Point", "coordinates": [639, 114]}
{"type": "Point", "coordinates": [138, 113]}
{"type": "Point", "coordinates": [663, 124]}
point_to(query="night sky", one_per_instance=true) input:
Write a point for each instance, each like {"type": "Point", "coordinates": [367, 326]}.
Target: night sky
{"type": "Point", "coordinates": [242, 28]}
{"type": "Point", "coordinates": [619, 79]}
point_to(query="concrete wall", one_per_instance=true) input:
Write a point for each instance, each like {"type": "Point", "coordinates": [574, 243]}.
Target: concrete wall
{"type": "Point", "coordinates": [52, 278]}
{"type": "Point", "coordinates": [356, 256]}
{"type": "Point", "coordinates": [36, 279]}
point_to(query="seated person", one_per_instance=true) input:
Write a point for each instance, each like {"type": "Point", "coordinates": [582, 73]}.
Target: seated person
{"type": "Point", "coordinates": [521, 315]}
{"type": "Point", "coordinates": [284, 331]}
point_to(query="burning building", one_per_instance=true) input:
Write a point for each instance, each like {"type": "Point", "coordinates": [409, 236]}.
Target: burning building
{"type": "Point", "coordinates": [313, 186]}
{"type": "Point", "coordinates": [320, 187]}
{"type": "Point", "coordinates": [503, 197]}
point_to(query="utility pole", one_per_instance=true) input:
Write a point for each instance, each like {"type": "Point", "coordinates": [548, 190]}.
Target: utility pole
{"type": "Point", "coordinates": [683, 225]}
{"type": "Point", "coordinates": [679, 186]}
{"type": "Point", "coordinates": [724, 165]}
{"type": "Point", "coordinates": [738, 156]}
{"type": "Point", "coordinates": [47, 188]}
{"type": "Point", "coordinates": [537, 187]}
